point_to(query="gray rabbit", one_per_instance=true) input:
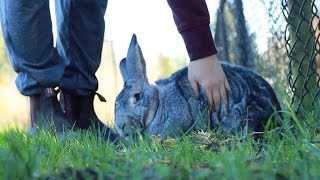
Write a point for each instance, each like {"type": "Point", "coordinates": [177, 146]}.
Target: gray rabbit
{"type": "Point", "coordinates": [169, 107]}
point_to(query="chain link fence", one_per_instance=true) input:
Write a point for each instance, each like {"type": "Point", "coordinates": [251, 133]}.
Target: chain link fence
{"type": "Point", "coordinates": [302, 44]}
{"type": "Point", "coordinates": [284, 38]}
{"type": "Point", "coordinates": [272, 61]}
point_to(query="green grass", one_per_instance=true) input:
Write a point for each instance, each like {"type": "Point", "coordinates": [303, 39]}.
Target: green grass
{"type": "Point", "coordinates": [295, 154]}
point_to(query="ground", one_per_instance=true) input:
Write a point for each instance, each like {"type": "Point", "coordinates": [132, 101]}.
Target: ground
{"type": "Point", "coordinates": [289, 152]}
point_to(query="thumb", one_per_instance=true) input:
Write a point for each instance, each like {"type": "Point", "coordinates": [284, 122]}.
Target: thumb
{"type": "Point", "coordinates": [194, 85]}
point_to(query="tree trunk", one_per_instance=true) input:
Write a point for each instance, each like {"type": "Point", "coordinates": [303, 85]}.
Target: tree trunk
{"type": "Point", "coordinates": [221, 34]}
{"type": "Point", "coordinates": [244, 54]}
{"type": "Point", "coordinates": [302, 78]}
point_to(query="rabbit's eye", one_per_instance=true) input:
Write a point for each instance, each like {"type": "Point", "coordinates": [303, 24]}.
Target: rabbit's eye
{"type": "Point", "coordinates": [137, 96]}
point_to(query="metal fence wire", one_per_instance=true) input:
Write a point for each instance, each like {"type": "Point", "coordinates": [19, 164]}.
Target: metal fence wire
{"type": "Point", "coordinates": [284, 38]}
{"type": "Point", "coordinates": [302, 44]}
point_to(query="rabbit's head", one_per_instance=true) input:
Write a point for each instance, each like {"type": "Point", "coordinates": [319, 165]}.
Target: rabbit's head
{"type": "Point", "coordinates": [137, 103]}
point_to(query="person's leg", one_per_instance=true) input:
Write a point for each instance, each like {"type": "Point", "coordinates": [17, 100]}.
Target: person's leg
{"type": "Point", "coordinates": [80, 38]}
{"type": "Point", "coordinates": [27, 31]}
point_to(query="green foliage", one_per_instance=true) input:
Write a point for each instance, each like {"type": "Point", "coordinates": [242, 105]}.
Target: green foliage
{"type": "Point", "coordinates": [231, 34]}
{"type": "Point", "coordinates": [272, 65]}
{"type": "Point", "coordinates": [289, 152]}
{"type": "Point", "coordinates": [167, 66]}
{"type": "Point", "coordinates": [5, 69]}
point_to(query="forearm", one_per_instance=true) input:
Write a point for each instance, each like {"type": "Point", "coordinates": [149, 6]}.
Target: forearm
{"type": "Point", "coordinates": [192, 20]}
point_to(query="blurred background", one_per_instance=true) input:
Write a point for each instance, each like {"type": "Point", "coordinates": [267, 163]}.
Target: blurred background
{"type": "Point", "coordinates": [247, 32]}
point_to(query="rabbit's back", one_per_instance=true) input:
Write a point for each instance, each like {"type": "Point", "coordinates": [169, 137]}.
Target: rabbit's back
{"type": "Point", "coordinates": [251, 102]}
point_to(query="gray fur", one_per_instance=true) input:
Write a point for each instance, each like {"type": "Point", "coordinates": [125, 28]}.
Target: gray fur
{"type": "Point", "coordinates": [169, 107]}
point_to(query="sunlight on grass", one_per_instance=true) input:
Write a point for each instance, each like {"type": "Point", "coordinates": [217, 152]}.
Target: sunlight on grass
{"type": "Point", "coordinates": [291, 153]}
{"type": "Point", "coordinates": [13, 108]}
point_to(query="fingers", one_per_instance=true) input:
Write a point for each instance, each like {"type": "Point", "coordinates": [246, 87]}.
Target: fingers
{"type": "Point", "coordinates": [217, 100]}
{"type": "Point", "coordinates": [226, 100]}
{"type": "Point", "coordinates": [224, 96]}
{"type": "Point", "coordinates": [208, 74]}
{"type": "Point", "coordinates": [217, 94]}
{"type": "Point", "coordinates": [209, 96]}
{"type": "Point", "coordinates": [227, 85]}
{"type": "Point", "coordinates": [194, 85]}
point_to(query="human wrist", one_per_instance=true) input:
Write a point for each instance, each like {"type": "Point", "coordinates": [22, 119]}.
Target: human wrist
{"type": "Point", "coordinates": [209, 59]}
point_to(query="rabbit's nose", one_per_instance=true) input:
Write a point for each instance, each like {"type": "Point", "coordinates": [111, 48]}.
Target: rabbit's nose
{"type": "Point", "coordinates": [129, 128]}
{"type": "Point", "coordinates": [123, 129]}
{"type": "Point", "coordinates": [120, 126]}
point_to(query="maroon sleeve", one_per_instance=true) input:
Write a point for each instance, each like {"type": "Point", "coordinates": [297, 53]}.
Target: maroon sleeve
{"type": "Point", "coordinates": [192, 20]}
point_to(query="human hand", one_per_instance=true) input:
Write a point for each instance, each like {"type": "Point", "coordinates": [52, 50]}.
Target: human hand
{"type": "Point", "coordinates": [208, 73]}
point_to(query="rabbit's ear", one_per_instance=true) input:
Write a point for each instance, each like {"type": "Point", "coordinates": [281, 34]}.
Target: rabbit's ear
{"type": "Point", "coordinates": [123, 69]}
{"type": "Point", "coordinates": [135, 63]}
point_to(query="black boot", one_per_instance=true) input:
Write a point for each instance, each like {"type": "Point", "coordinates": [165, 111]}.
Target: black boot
{"type": "Point", "coordinates": [45, 112]}
{"type": "Point", "coordinates": [34, 112]}
{"type": "Point", "coordinates": [79, 111]}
